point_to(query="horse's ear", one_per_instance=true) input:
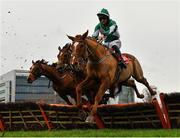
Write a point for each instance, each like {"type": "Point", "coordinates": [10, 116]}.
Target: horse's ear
{"type": "Point", "coordinates": [33, 61]}
{"type": "Point", "coordinates": [85, 35]}
{"type": "Point", "coordinates": [43, 61]}
{"type": "Point", "coordinates": [69, 45]}
{"type": "Point", "coordinates": [59, 48]}
{"type": "Point", "coordinates": [71, 37]}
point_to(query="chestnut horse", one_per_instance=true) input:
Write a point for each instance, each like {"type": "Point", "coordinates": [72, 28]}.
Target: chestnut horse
{"type": "Point", "coordinates": [63, 83]}
{"type": "Point", "coordinates": [79, 71]}
{"type": "Point", "coordinates": [64, 56]}
{"type": "Point", "coordinates": [102, 66]}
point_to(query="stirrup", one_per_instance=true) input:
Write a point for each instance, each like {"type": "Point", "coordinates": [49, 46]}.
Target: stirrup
{"type": "Point", "coordinates": [122, 64]}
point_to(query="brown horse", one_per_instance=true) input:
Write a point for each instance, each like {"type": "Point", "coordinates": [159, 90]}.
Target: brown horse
{"type": "Point", "coordinates": [63, 83]}
{"type": "Point", "coordinates": [79, 71]}
{"type": "Point", "coordinates": [102, 66]}
{"type": "Point", "coordinates": [64, 55]}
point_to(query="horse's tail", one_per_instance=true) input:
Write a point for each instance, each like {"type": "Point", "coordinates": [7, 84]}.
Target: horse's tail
{"type": "Point", "coordinates": [137, 69]}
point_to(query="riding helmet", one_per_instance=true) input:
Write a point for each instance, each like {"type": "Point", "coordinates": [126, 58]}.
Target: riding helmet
{"type": "Point", "coordinates": [103, 13]}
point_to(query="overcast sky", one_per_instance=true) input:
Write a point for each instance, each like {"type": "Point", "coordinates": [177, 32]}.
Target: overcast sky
{"type": "Point", "coordinates": [149, 29]}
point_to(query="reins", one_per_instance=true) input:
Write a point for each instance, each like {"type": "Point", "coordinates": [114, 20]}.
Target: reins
{"type": "Point", "coordinates": [100, 60]}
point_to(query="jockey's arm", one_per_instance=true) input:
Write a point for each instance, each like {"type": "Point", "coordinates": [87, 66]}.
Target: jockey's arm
{"type": "Point", "coordinates": [111, 30]}
{"type": "Point", "coordinates": [96, 32]}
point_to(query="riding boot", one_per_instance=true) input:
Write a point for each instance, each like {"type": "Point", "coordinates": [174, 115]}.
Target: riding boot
{"type": "Point", "coordinates": [120, 59]}
{"type": "Point", "coordinates": [121, 62]}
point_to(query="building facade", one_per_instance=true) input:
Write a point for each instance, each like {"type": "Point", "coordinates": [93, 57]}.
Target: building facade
{"type": "Point", "coordinates": [14, 88]}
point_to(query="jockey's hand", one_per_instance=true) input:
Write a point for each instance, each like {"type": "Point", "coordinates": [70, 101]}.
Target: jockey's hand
{"type": "Point", "coordinates": [101, 38]}
{"type": "Point", "coordinates": [111, 50]}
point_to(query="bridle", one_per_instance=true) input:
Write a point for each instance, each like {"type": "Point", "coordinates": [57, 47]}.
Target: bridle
{"type": "Point", "coordinates": [67, 56]}
{"type": "Point", "coordinates": [39, 72]}
{"type": "Point", "coordinates": [36, 73]}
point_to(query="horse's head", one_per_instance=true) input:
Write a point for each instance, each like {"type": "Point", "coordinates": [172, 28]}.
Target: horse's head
{"type": "Point", "coordinates": [64, 55]}
{"type": "Point", "coordinates": [79, 49]}
{"type": "Point", "coordinates": [35, 70]}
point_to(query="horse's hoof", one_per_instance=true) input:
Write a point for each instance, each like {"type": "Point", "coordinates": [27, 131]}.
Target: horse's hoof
{"type": "Point", "coordinates": [89, 119]}
{"type": "Point", "coordinates": [141, 96]}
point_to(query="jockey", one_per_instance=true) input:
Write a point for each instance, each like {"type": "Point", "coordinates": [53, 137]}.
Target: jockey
{"type": "Point", "coordinates": [109, 34]}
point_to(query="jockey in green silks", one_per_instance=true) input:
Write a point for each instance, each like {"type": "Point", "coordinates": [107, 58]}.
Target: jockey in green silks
{"type": "Point", "coordinates": [109, 34]}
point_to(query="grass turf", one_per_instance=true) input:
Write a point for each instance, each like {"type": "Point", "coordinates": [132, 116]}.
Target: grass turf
{"type": "Point", "coordinates": [96, 133]}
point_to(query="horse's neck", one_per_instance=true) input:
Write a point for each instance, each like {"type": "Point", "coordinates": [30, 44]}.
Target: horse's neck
{"type": "Point", "coordinates": [97, 50]}
{"type": "Point", "coordinates": [50, 72]}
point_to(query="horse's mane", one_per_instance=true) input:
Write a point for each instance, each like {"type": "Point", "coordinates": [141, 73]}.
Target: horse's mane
{"type": "Point", "coordinates": [42, 61]}
{"type": "Point", "coordinates": [78, 36]}
{"type": "Point", "coordinates": [93, 39]}
{"type": "Point", "coordinates": [66, 45]}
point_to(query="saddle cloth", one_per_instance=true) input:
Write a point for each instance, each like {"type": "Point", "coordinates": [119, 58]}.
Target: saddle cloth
{"type": "Point", "coordinates": [125, 58]}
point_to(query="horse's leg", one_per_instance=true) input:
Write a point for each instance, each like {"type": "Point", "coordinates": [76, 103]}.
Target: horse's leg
{"type": "Point", "coordinates": [65, 98]}
{"type": "Point", "coordinates": [112, 92]}
{"type": "Point", "coordinates": [131, 83]}
{"type": "Point", "coordinates": [138, 75]}
{"type": "Point", "coordinates": [144, 81]}
{"type": "Point", "coordinates": [79, 88]}
{"type": "Point", "coordinates": [89, 94]}
{"type": "Point", "coordinates": [105, 83]}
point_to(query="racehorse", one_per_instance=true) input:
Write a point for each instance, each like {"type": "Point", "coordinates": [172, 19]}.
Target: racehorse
{"type": "Point", "coordinates": [102, 66]}
{"type": "Point", "coordinates": [64, 56]}
{"type": "Point", "coordinates": [79, 71]}
{"type": "Point", "coordinates": [63, 83]}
